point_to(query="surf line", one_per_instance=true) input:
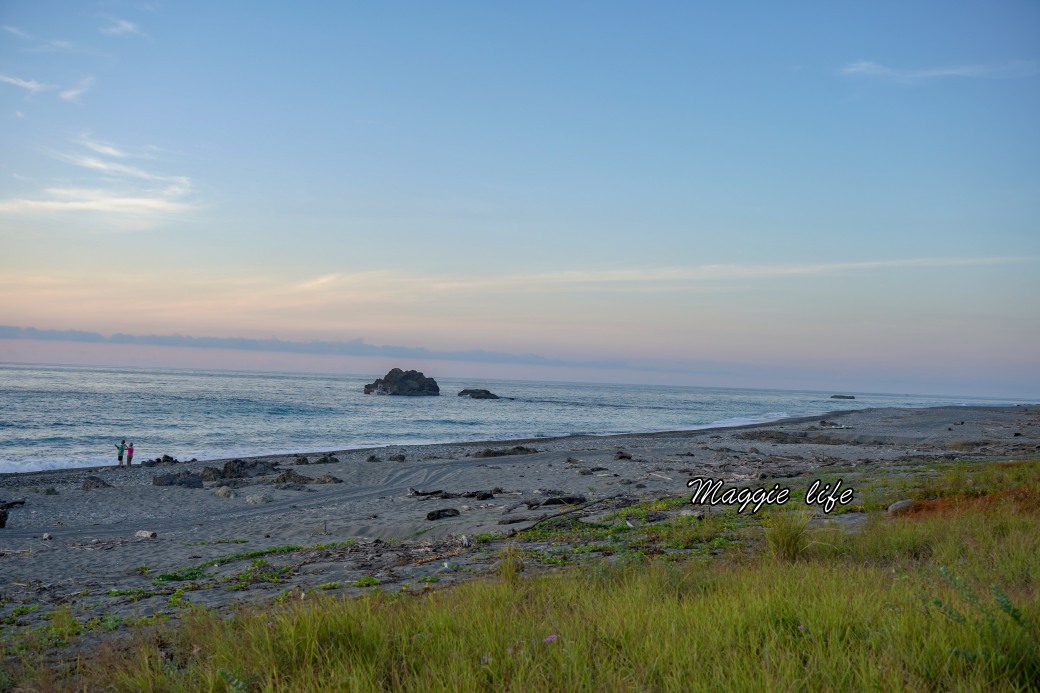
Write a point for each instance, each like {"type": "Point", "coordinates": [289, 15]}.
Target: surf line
{"type": "Point", "coordinates": [711, 492]}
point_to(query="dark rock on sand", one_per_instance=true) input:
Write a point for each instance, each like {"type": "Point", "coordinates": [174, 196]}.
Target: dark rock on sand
{"type": "Point", "coordinates": [3, 519]}
{"type": "Point", "coordinates": [373, 458]}
{"type": "Point", "coordinates": [292, 477]}
{"type": "Point", "coordinates": [622, 455]}
{"type": "Point", "coordinates": [328, 479]}
{"type": "Point", "coordinates": [518, 519]}
{"type": "Point", "coordinates": [902, 507]}
{"type": "Point", "coordinates": [238, 469]}
{"type": "Point", "coordinates": [211, 474]}
{"type": "Point", "coordinates": [302, 460]}
{"type": "Point", "coordinates": [564, 500]}
{"type": "Point", "coordinates": [478, 394]}
{"type": "Point", "coordinates": [92, 482]}
{"type": "Point", "coordinates": [182, 479]}
{"type": "Point", "coordinates": [439, 514]}
{"type": "Point", "coordinates": [407, 383]}
{"type": "Point", "coordinates": [326, 459]}
{"type": "Point", "coordinates": [165, 459]}
{"type": "Point", "coordinates": [502, 452]}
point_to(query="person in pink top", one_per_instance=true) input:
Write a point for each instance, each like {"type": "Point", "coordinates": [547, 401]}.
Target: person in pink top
{"type": "Point", "coordinates": [129, 454]}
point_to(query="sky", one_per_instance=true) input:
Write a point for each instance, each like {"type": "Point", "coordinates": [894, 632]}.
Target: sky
{"type": "Point", "coordinates": [801, 195]}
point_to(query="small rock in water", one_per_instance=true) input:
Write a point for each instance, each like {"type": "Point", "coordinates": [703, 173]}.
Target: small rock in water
{"type": "Point", "coordinates": [46, 536]}
{"type": "Point", "coordinates": [145, 534]}
{"type": "Point", "coordinates": [478, 394]}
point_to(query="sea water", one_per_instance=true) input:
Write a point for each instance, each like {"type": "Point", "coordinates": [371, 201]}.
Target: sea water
{"type": "Point", "coordinates": [54, 417]}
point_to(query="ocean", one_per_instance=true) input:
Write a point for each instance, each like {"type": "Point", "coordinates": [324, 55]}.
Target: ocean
{"type": "Point", "coordinates": [57, 417]}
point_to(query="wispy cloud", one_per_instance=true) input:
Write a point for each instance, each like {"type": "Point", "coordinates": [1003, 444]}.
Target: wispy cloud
{"type": "Point", "coordinates": [31, 85]}
{"type": "Point", "coordinates": [17, 32]}
{"type": "Point", "coordinates": [649, 280]}
{"type": "Point", "coordinates": [77, 91]}
{"type": "Point", "coordinates": [121, 27]}
{"type": "Point", "coordinates": [54, 45]}
{"type": "Point", "coordinates": [102, 148]}
{"type": "Point", "coordinates": [132, 197]}
{"type": "Point", "coordinates": [868, 68]}
{"type": "Point", "coordinates": [93, 200]}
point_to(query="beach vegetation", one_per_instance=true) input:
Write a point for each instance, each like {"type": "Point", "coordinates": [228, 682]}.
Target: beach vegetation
{"type": "Point", "coordinates": [945, 598]}
{"type": "Point", "coordinates": [366, 581]}
{"type": "Point", "coordinates": [106, 622]}
{"type": "Point", "coordinates": [24, 609]}
{"type": "Point", "coordinates": [786, 533]}
{"type": "Point", "coordinates": [330, 585]}
{"type": "Point", "coordinates": [136, 592]}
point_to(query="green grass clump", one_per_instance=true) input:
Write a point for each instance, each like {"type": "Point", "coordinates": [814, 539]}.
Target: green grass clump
{"type": "Point", "coordinates": [787, 533]}
{"type": "Point", "coordinates": [771, 625]}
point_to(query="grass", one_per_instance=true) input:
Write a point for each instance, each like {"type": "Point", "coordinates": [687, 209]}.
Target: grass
{"type": "Point", "coordinates": [945, 598]}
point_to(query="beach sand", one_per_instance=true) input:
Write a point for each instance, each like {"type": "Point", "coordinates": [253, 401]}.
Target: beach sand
{"type": "Point", "coordinates": [374, 525]}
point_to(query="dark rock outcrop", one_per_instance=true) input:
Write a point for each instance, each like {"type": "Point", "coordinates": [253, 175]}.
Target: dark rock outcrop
{"type": "Point", "coordinates": [4, 507]}
{"type": "Point", "coordinates": [515, 450]}
{"type": "Point", "coordinates": [564, 500]}
{"type": "Point", "coordinates": [92, 482]}
{"type": "Point", "coordinates": [182, 479]}
{"type": "Point", "coordinates": [478, 394]}
{"type": "Point", "coordinates": [292, 477]}
{"type": "Point", "coordinates": [843, 397]}
{"type": "Point", "coordinates": [165, 459]}
{"type": "Point", "coordinates": [407, 383]}
{"type": "Point", "coordinates": [240, 469]}
{"type": "Point", "coordinates": [211, 474]}
{"type": "Point", "coordinates": [439, 514]}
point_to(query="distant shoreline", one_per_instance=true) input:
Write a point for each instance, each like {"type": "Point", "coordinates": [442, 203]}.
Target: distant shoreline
{"type": "Point", "coordinates": [620, 437]}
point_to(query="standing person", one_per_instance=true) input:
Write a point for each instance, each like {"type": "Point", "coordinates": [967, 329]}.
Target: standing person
{"type": "Point", "coordinates": [121, 448]}
{"type": "Point", "coordinates": [129, 454]}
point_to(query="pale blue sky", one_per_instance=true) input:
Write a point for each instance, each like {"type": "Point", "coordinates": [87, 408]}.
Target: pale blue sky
{"type": "Point", "coordinates": [752, 194]}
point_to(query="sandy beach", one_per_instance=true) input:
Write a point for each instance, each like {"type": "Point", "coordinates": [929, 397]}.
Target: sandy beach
{"type": "Point", "coordinates": [95, 550]}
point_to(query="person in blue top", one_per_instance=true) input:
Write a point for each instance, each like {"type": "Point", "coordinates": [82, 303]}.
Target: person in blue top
{"type": "Point", "coordinates": [121, 448]}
